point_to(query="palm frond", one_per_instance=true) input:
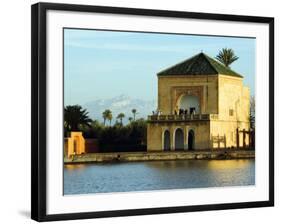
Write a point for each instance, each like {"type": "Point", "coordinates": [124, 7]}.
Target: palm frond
{"type": "Point", "coordinates": [226, 56]}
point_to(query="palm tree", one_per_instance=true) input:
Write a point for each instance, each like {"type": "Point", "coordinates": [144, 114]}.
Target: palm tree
{"type": "Point", "coordinates": [106, 115]}
{"type": "Point", "coordinates": [74, 116]}
{"type": "Point", "coordinates": [130, 119]}
{"type": "Point", "coordinates": [110, 118]}
{"type": "Point", "coordinates": [121, 116]}
{"type": "Point", "coordinates": [134, 111]}
{"type": "Point", "coordinates": [226, 56]}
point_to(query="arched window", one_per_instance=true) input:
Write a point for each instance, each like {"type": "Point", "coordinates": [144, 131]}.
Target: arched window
{"type": "Point", "coordinates": [167, 143]}
{"type": "Point", "coordinates": [191, 140]}
{"type": "Point", "coordinates": [179, 139]}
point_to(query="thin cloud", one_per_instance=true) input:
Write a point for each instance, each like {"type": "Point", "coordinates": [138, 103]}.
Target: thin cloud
{"type": "Point", "coordinates": [134, 47]}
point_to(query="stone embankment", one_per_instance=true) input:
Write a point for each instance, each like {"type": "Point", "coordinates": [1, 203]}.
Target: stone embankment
{"type": "Point", "coordinates": [158, 156]}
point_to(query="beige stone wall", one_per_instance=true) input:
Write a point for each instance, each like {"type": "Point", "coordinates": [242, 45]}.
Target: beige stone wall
{"type": "Point", "coordinates": [155, 134]}
{"type": "Point", "coordinates": [154, 137]}
{"type": "Point", "coordinates": [202, 134]}
{"type": "Point", "coordinates": [245, 110]}
{"type": "Point", "coordinates": [227, 130]}
{"type": "Point", "coordinates": [233, 96]}
{"type": "Point", "coordinates": [168, 87]}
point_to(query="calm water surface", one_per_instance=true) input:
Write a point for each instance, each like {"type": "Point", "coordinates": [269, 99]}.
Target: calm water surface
{"type": "Point", "coordinates": [157, 175]}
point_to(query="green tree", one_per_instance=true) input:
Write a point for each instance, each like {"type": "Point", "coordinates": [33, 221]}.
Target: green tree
{"type": "Point", "coordinates": [106, 115]}
{"type": "Point", "coordinates": [121, 116]}
{"type": "Point", "coordinates": [134, 111]}
{"type": "Point", "coordinates": [130, 119]}
{"type": "Point", "coordinates": [226, 56]}
{"type": "Point", "coordinates": [75, 116]}
{"type": "Point", "coordinates": [94, 131]}
{"type": "Point", "coordinates": [110, 118]}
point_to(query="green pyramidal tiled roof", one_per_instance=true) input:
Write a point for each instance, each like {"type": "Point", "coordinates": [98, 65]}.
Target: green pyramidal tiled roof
{"type": "Point", "coordinates": [200, 64]}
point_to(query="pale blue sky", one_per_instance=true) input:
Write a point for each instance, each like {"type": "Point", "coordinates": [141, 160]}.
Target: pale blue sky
{"type": "Point", "coordinates": [105, 64]}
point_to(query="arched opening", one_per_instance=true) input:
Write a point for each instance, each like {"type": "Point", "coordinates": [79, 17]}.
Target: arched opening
{"type": "Point", "coordinates": [190, 104]}
{"type": "Point", "coordinates": [179, 139]}
{"type": "Point", "coordinates": [191, 140]}
{"type": "Point", "coordinates": [167, 142]}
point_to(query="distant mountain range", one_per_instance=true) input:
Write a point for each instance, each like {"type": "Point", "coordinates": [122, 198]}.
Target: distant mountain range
{"type": "Point", "coordinates": [120, 104]}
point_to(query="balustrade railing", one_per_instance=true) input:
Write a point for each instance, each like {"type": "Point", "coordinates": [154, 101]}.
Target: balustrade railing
{"type": "Point", "coordinates": [187, 117]}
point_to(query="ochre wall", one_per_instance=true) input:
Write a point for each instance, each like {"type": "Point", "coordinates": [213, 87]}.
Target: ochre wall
{"type": "Point", "coordinates": [75, 144]}
{"type": "Point", "coordinates": [168, 85]}
{"type": "Point", "coordinates": [233, 95]}
{"type": "Point", "coordinates": [154, 137]}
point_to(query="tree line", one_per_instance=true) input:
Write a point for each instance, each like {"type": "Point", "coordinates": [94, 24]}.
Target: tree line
{"type": "Point", "coordinates": [117, 137]}
{"type": "Point", "coordinates": [107, 116]}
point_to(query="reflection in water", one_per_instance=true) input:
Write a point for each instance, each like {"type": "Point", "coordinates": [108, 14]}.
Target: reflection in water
{"type": "Point", "coordinates": [75, 167]}
{"type": "Point", "coordinates": [157, 175]}
{"type": "Point", "coordinates": [228, 164]}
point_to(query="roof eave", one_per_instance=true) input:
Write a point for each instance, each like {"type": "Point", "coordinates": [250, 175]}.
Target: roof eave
{"type": "Point", "coordinates": [234, 76]}
{"type": "Point", "coordinates": [185, 75]}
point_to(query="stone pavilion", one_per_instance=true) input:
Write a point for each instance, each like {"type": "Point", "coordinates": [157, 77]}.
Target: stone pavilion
{"type": "Point", "coordinates": [201, 105]}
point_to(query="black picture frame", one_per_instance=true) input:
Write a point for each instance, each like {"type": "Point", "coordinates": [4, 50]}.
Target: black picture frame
{"type": "Point", "coordinates": [39, 122]}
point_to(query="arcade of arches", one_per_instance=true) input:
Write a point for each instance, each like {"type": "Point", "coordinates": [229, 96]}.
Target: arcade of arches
{"type": "Point", "coordinates": [180, 140]}
{"type": "Point", "coordinates": [202, 105]}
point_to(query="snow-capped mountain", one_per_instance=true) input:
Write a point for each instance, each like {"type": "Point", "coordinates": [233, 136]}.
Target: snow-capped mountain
{"type": "Point", "coordinates": [120, 104]}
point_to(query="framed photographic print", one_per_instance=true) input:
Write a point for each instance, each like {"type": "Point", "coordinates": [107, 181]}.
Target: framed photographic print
{"type": "Point", "coordinates": [140, 111]}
